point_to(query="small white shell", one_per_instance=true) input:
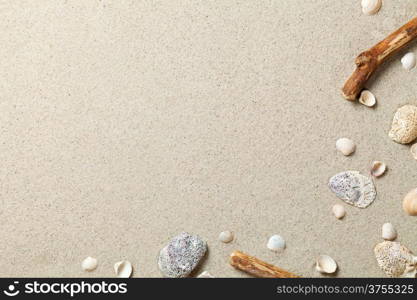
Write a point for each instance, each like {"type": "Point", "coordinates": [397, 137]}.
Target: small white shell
{"type": "Point", "coordinates": [205, 274]}
{"type": "Point", "coordinates": [89, 264]}
{"type": "Point", "coordinates": [367, 98]}
{"type": "Point", "coordinates": [226, 236]}
{"type": "Point", "coordinates": [395, 260]}
{"type": "Point", "coordinates": [339, 211]}
{"type": "Point", "coordinates": [276, 243]}
{"type": "Point", "coordinates": [388, 232]}
{"type": "Point", "coordinates": [378, 169]}
{"type": "Point", "coordinates": [326, 264]}
{"type": "Point", "coordinates": [371, 7]}
{"type": "Point", "coordinates": [408, 61]}
{"type": "Point", "coordinates": [346, 146]}
{"type": "Point", "coordinates": [413, 151]}
{"type": "Point", "coordinates": [123, 269]}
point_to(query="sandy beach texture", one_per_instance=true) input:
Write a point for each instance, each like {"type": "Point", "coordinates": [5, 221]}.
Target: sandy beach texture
{"type": "Point", "coordinates": [123, 123]}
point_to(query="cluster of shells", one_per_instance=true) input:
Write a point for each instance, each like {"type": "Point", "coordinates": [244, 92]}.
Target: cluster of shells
{"type": "Point", "coordinates": [392, 257]}
{"type": "Point", "coordinates": [359, 190]}
{"type": "Point", "coordinates": [123, 269]}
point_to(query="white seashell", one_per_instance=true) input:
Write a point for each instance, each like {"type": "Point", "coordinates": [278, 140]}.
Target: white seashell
{"type": "Point", "coordinates": [89, 264]}
{"type": "Point", "coordinates": [410, 203]}
{"type": "Point", "coordinates": [339, 211]}
{"type": "Point", "coordinates": [404, 125]}
{"type": "Point", "coordinates": [226, 236]}
{"type": "Point", "coordinates": [353, 188]}
{"type": "Point", "coordinates": [276, 243]}
{"type": "Point", "coordinates": [388, 232]}
{"type": "Point", "coordinates": [346, 146]}
{"type": "Point", "coordinates": [123, 269]}
{"type": "Point", "coordinates": [408, 61]}
{"type": "Point", "coordinates": [395, 260]}
{"type": "Point", "coordinates": [413, 151]}
{"type": "Point", "coordinates": [205, 274]}
{"type": "Point", "coordinates": [371, 7]}
{"type": "Point", "coordinates": [326, 264]}
{"type": "Point", "coordinates": [367, 98]}
{"type": "Point", "coordinates": [378, 169]}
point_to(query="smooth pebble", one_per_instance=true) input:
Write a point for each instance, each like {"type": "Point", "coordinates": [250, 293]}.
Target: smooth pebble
{"type": "Point", "coordinates": [89, 264]}
{"type": "Point", "coordinates": [388, 232]}
{"type": "Point", "coordinates": [276, 243]}
{"type": "Point", "coordinates": [339, 211]}
{"type": "Point", "coordinates": [226, 236]}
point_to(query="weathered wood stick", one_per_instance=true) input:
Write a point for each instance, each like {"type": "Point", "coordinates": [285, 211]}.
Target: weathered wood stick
{"type": "Point", "coordinates": [368, 62]}
{"type": "Point", "coordinates": [257, 267]}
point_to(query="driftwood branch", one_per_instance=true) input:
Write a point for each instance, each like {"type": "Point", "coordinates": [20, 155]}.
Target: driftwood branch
{"type": "Point", "coordinates": [368, 62]}
{"type": "Point", "coordinates": [257, 267]}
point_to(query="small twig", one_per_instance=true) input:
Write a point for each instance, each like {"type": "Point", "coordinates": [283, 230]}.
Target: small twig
{"type": "Point", "coordinates": [368, 62]}
{"type": "Point", "coordinates": [257, 267]}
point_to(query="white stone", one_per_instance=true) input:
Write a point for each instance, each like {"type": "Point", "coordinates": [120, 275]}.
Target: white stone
{"type": "Point", "coordinates": [276, 243]}
{"type": "Point", "coordinates": [339, 211]}
{"type": "Point", "coordinates": [226, 236]}
{"type": "Point", "coordinates": [388, 232]}
{"type": "Point", "coordinates": [89, 264]}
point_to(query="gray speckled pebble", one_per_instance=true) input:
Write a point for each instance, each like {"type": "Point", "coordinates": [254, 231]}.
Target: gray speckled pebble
{"type": "Point", "coordinates": [182, 254]}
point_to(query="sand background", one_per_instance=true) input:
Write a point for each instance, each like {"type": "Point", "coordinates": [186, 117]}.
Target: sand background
{"type": "Point", "coordinates": [123, 123]}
